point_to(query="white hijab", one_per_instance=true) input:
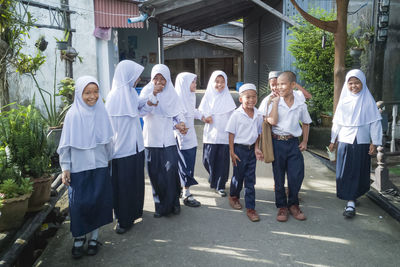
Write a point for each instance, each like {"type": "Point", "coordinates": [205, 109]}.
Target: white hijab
{"type": "Point", "coordinates": [356, 109]}
{"type": "Point", "coordinates": [168, 103]}
{"type": "Point", "coordinates": [84, 126]}
{"type": "Point", "coordinates": [182, 87]}
{"type": "Point", "coordinates": [215, 102]}
{"type": "Point", "coordinates": [123, 99]}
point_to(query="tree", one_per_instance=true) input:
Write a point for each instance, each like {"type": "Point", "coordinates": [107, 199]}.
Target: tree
{"type": "Point", "coordinates": [339, 29]}
{"type": "Point", "coordinates": [12, 32]}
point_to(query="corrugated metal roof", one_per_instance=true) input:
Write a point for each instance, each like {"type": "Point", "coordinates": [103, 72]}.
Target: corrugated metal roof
{"type": "Point", "coordinates": [115, 14]}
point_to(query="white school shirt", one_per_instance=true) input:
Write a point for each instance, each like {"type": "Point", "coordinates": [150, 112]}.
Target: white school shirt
{"type": "Point", "coordinates": [245, 129]}
{"type": "Point", "coordinates": [78, 160]}
{"type": "Point", "coordinates": [130, 138]}
{"type": "Point", "coordinates": [263, 105]}
{"type": "Point", "coordinates": [189, 140]}
{"type": "Point", "coordinates": [289, 118]}
{"type": "Point", "coordinates": [158, 130]}
{"type": "Point", "coordinates": [215, 133]}
{"type": "Point", "coordinates": [364, 133]}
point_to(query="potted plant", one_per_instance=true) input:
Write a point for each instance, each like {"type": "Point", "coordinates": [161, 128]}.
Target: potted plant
{"type": "Point", "coordinates": [62, 44]}
{"type": "Point", "coordinates": [41, 43]}
{"type": "Point", "coordinates": [14, 194]}
{"type": "Point", "coordinates": [24, 132]}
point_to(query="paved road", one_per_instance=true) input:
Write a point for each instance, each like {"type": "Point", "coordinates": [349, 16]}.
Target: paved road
{"type": "Point", "coordinates": [216, 235]}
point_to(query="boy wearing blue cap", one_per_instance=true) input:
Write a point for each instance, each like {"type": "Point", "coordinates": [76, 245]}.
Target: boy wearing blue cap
{"type": "Point", "coordinates": [244, 128]}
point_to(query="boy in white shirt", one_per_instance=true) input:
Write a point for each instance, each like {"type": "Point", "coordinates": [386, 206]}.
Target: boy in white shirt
{"type": "Point", "coordinates": [244, 127]}
{"type": "Point", "coordinates": [284, 115]}
{"type": "Point", "coordinates": [273, 86]}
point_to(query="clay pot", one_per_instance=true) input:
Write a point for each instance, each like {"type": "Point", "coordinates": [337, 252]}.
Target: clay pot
{"type": "Point", "coordinates": [13, 212]}
{"type": "Point", "coordinates": [41, 193]}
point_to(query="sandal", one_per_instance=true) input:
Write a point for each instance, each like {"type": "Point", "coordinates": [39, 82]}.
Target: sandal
{"type": "Point", "coordinates": [77, 252]}
{"type": "Point", "coordinates": [93, 249]}
{"type": "Point", "coordinates": [349, 212]}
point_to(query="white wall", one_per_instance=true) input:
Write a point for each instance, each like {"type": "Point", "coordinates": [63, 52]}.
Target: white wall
{"type": "Point", "coordinates": [22, 87]}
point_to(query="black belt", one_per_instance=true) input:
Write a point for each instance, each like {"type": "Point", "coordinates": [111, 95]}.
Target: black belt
{"type": "Point", "coordinates": [246, 146]}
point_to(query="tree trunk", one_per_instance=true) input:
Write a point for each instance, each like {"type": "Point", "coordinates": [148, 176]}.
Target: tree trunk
{"type": "Point", "coordinates": [4, 94]}
{"type": "Point", "coordinates": [340, 50]}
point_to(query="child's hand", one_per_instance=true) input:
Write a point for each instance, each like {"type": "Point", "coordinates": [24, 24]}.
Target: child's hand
{"type": "Point", "coordinates": [303, 146]}
{"type": "Point", "coordinates": [234, 157]}
{"type": "Point", "coordinates": [158, 88]}
{"type": "Point", "coordinates": [372, 149]}
{"type": "Point", "coordinates": [66, 177]}
{"type": "Point", "coordinates": [151, 103]}
{"type": "Point", "coordinates": [275, 98]}
{"type": "Point", "coordinates": [331, 147]}
{"type": "Point", "coordinates": [208, 120]}
{"type": "Point", "coordinates": [181, 127]}
{"type": "Point", "coordinates": [259, 154]}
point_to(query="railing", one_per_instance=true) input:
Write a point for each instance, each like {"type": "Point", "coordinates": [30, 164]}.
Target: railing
{"type": "Point", "coordinates": [381, 181]}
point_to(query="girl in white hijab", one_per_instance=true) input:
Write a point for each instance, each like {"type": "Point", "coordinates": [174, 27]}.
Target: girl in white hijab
{"type": "Point", "coordinates": [185, 86]}
{"type": "Point", "coordinates": [124, 109]}
{"type": "Point", "coordinates": [358, 130]}
{"type": "Point", "coordinates": [85, 149]}
{"type": "Point", "coordinates": [159, 140]}
{"type": "Point", "coordinates": [217, 106]}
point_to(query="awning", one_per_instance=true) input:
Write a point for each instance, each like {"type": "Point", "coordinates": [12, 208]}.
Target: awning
{"type": "Point", "coordinates": [115, 14]}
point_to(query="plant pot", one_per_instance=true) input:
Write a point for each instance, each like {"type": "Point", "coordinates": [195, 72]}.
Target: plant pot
{"type": "Point", "coordinates": [42, 44]}
{"type": "Point", "coordinates": [62, 45]}
{"type": "Point", "coordinates": [326, 120]}
{"type": "Point", "coordinates": [13, 212]}
{"type": "Point", "coordinates": [41, 193]}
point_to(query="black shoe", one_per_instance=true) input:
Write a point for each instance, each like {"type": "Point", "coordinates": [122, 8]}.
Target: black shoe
{"type": "Point", "coordinates": [176, 210]}
{"type": "Point", "coordinates": [122, 230]}
{"type": "Point", "coordinates": [221, 192]}
{"type": "Point", "coordinates": [77, 252]}
{"type": "Point", "coordinates": [93, 249]}
{"type": "Point", "coordinates": [349, 212]}
{"type": "Point", "coordinates": [191, 202]}
{"type": "Point", "coordinates": [157, 215]}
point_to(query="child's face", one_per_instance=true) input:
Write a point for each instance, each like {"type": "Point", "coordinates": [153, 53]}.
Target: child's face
{"type": "Point", "coordinates": [285, 87]}
{"type": "Point", "coordinates": [193, 86]}
{"type": "Point", "coordinates": [136, 82]}
{"type": "Point", "coordinates": [159, 80]}
{"type": "Point", "coordinates": [219, 83]}
{"type": "Point", "coordinates": [354, 85]}
{"type": "Point", "coordinates": [273, 84]}
{"type": "Point", "coordinates": [90, 94]}
{"type": "Point", "coordinates": [248, 99]}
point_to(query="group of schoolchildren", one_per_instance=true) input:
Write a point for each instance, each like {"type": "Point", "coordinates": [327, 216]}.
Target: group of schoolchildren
{"type": "Point", "coordinates": [103, 148]}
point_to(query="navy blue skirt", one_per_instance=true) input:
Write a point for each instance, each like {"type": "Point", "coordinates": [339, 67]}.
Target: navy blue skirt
{"type": "Point", "coordinates": [187, 160]}
{"type": "Point", "coordinates": [90, 200]}
{"type": "Point", "coordinates": [352, 170]}
{"type": "Point", "coordinates": [162, 167]}
{"type": "Point", "coordinates": [216, 160]}
{"type": "Point", "coordinates": [128, 188]}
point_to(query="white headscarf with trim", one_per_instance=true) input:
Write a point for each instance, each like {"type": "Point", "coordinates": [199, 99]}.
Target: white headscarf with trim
{"type": "Point", "coordinates": [168, 102]}
{"type": "Point", "coordinates": [85, 126]}
{"type": "Point", "coordinates": [215, 102]}
{"type": "Point", "coordinates": [356, 109]}
{"type": "Point", "coordinates": [123, 99]}
{"type": "Point", "coordinates": [182, 87]}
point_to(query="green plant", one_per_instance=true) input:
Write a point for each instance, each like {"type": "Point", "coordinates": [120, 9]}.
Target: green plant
{"type": "Point", "coordinates": [65, 38]}
{"type": "Point", "coordinates": [11, 188]}
{"type": "Point", "coordinates": [23, 130]}
{"type": "Point", "coordinates": [314, 61]}
{"type": "Point", "coordinates": [66, 89]}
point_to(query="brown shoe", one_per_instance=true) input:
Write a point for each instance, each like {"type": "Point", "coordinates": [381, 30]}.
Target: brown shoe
{"type": "Point", "coordinates": [235, 203]}
{"type": "Point", "coordinates": [282, 215]}
{"type": "Point", "coordinates": [253, 216]}
{"type": "Point", "coordinates": [297, 213]}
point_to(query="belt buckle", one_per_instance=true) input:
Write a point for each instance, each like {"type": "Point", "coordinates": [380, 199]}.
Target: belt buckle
{"type": "Point", "coordinates": [283, 137]}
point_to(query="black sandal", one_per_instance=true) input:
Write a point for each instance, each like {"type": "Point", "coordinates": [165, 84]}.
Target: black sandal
{"type": "Point", "coordinates": [77, 252]}
{"type": "Point", "coordinates": [349, 213]}
{"type": "Point", "coordinates": [93, 249]}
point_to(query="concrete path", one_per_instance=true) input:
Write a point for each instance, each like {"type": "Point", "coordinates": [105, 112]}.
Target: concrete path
{"type": "Point", "coordinates": [216, 235]}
